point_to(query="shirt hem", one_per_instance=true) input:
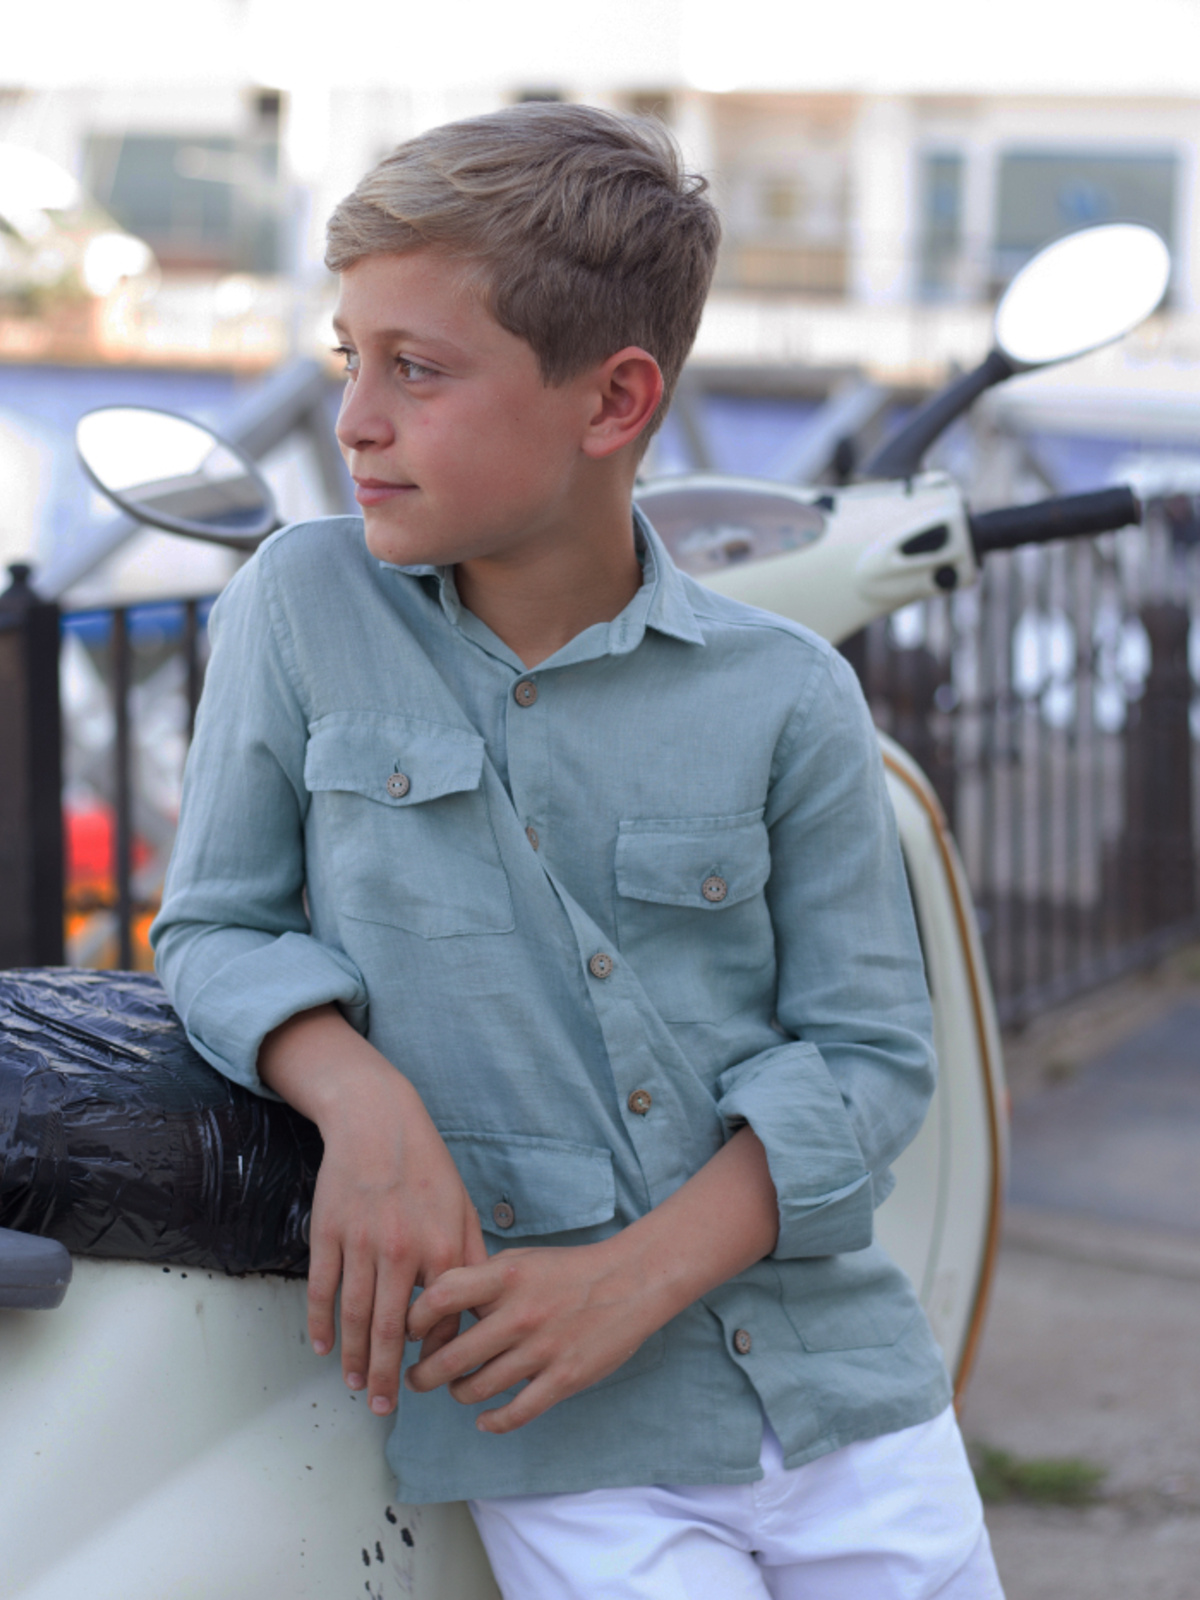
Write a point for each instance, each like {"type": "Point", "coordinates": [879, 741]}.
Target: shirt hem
{"type": "Point", "coordinates": [553, 1479]}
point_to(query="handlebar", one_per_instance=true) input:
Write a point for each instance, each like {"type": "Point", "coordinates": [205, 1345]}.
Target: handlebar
{"type": "Point", "coordinates": [1068, 516]}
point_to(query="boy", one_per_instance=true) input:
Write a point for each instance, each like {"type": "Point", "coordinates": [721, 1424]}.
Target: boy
{"type": "Point", "coordinates": [564, 897]}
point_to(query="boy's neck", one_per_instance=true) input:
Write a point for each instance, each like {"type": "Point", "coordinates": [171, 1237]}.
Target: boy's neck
{"type": "Point", "coordinates": [539, 596]}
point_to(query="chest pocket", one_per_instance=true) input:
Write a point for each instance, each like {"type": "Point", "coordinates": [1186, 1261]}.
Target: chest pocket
{"type": "Point", "coordinates": [404, 821]}
{"type": "Point", "coordinates": [692, 918]}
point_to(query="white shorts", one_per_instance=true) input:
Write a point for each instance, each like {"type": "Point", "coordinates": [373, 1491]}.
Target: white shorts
{"type": "Point", "coordinates": [893, 1518]}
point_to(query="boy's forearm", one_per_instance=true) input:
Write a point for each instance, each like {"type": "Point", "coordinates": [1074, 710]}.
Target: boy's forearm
{"type": "Point", "coordinates": [721, 1221]}
{"type": "Point", "coordinates": [323, 1068]}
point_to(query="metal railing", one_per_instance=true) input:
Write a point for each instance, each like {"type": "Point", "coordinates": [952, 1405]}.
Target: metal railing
{"type": "Point", "coordinates": [1056, 708]}
{"type": "Point", "coordinates": [131, 680]}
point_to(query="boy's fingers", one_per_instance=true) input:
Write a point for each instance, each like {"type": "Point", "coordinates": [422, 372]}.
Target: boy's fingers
{"type": "Point", "coordinates": [474, 1250]}
{"type": "Point", "coordinates": [481, 1342]}
{"type": "Point", "coordinates": [358, 1302]}
{"type": "Point", "coordinates": [537, 1396]}
{"type": "Point", "coordinates": [461, 1289]}
{"type": "Point", "coordinates": [439, 1336]}
{"type": "Point", "coordinates": [494, 1377]}
{"type": "Point", "coordinates": [389, 1315]}
{"type": "Point", "coordinates": [324, 1273]}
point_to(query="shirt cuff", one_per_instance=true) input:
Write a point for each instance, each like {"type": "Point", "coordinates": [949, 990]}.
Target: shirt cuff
{"type": "Point", "coordinates": [232, 1012]}
{"type": "Point", "coordinates": [824, 1190]}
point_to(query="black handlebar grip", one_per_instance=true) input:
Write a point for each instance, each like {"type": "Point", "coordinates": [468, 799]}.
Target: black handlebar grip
{"type": "Point", "coordinates": [1068, 516]}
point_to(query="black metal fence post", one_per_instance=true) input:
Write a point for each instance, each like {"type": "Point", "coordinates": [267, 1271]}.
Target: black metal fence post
{"type": "Point", "coordinates": [1160, 851]}
{"type": "Point", "coordinates": [31, 829]}
{"type": "Point", "coordinates": [123, 788]}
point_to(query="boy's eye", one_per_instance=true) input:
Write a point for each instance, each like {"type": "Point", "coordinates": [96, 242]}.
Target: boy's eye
{"type": "Point", "coordinates": [413, 371]}
{"type": "Point", "coordinates": [350, 357]}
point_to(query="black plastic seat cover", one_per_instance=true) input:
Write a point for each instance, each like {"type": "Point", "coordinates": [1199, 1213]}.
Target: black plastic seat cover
{"type": "Point", "coordinates": [119, 1140]}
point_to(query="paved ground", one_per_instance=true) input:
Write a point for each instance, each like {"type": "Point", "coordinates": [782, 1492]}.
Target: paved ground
{"type": "Point", "coordinates": [1093, 1342]}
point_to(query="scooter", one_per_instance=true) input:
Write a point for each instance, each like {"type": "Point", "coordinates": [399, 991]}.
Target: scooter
{"type": "Point", "coordinates": [167, 1431]}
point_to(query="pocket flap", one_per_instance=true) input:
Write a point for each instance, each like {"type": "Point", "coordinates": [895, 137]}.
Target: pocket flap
{"type": "Point", "coordinates": [702, 862]}
{"type": "Point", "coordinates": [520, 1184]}
{"type": "Point", "coordinates": [396, 760]}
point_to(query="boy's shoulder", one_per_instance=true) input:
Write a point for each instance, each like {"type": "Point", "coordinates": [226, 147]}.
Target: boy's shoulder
{"type": "Point", "coordinates": [318, 559]}
{"type": "Point", "coordinates": [771, 651]}
{"type": "Point", "coordinates": [719, 613]}
{"type": "Point", "coordinates": [315, 543]}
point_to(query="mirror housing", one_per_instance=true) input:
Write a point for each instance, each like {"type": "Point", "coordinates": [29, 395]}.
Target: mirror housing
{"type": "Point", "coordinates": [1084, 291]}
{"type": "Point", "coordinates": [1080, 293]}
{"type": "Point", "coordinates": [171, 473]}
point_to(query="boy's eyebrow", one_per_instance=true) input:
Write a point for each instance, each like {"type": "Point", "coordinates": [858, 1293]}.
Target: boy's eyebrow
{"type": "Point", "coordinates": [342, 331]}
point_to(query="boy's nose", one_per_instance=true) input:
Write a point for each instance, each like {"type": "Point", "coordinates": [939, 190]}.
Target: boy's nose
{"type": "Point", "coordinates": [361, 425]}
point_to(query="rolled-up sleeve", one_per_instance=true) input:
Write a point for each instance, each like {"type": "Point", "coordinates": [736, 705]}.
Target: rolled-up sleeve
{"type": "Point", "coordinates": [836, 1104]}
{"type": "Point", "coordinates": [232, 941]}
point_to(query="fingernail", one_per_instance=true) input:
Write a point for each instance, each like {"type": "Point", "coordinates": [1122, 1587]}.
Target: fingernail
{"type": "Point", "coordinates": [482, 1425]}
{"type": "Point", "coordinates": [381, 1405]}
{"type": "Point", "coordinates": [355, 1380]}
{"type": "Point", "coordinates": [321, 1348]}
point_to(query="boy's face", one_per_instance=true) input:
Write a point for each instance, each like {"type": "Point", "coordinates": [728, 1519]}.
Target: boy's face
{"type": "Point", "coordinates": [457, 447]}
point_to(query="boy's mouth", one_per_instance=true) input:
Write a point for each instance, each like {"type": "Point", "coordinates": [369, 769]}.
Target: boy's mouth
{"type": "Point", "coordinates": [374, 491]}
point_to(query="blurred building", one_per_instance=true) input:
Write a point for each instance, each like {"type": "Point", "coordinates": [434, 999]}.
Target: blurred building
{"type": "Point", "coordinates": [912, 207]}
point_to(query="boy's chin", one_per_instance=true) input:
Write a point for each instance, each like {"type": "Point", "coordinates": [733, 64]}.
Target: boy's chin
{"type": "Point", "coordinates": [399, 550]}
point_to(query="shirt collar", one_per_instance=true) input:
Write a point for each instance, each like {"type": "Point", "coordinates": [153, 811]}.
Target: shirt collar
{"type": "Point", "coordinates": [661, 603]}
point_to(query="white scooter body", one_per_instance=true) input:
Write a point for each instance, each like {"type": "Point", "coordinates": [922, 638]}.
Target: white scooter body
{"type": "Point", "coordinates": [168, 1433]}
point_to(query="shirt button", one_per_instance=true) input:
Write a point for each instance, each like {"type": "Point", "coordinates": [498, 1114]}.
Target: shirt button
{"type": "Point", "coordinates": [525, 693]}
{"type": "Point", "coordinates": [639, 1102]}
{"type": "Point", "coordinates": [398, 786]}
{"type": "Point", "coordinates": [601, 965]}
{"type": "Point", "coordinates": [531, 835]}
{"type": "Point", "coordinates": [714, 889]}
{"type": "Point", "coordinates": [503, 1214]}
{"type": "Point", "coordinates": [742, 1342]}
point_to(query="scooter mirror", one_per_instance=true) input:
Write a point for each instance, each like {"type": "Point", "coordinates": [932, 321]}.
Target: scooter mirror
{"type": "Point", "coordinates": [172, 473]}
{"type": "Point", "coordinates": [1081, 292]}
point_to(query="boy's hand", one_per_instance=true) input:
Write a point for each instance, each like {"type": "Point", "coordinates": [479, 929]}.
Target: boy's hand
{"type": "Point", "coordinates": [557, 1319]}
{"type": "Point", "coordinates": [390, 1212]}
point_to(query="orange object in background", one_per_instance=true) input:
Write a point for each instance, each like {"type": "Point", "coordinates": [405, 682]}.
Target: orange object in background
{"type": "Point", "coordinates": [90, 848]}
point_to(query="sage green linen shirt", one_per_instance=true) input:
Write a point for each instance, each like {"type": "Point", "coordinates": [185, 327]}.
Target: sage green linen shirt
{"type": "Point", "coordinates": [601, 913]}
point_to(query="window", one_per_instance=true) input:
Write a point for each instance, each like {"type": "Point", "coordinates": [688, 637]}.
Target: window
{"type": "Point", "coordinates": [1044, 193]}
{"type": "Point", "coordinates": [941, 235]}
{"type": "Point", "coordinates": [205, 202]}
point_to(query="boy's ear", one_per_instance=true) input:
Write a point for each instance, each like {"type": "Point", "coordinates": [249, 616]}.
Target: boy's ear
{"type": "Point", "coordinates": [628, 388]}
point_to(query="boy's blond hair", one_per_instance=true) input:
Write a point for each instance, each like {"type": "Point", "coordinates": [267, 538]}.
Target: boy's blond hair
{"type": "Point", "coordinates": [588, 233]}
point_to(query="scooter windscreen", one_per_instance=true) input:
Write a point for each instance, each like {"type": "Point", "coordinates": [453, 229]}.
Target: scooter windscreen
{"type": "Point", "coordinates": [119, 1140]}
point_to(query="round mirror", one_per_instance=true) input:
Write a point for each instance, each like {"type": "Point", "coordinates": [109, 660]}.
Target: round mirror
{"type": "Point", "coordinates": [174, 474]}
{"type": "Point", "coordinates": [1082, 292]}
{"type": "Point", "coordinates": [709, 524]}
